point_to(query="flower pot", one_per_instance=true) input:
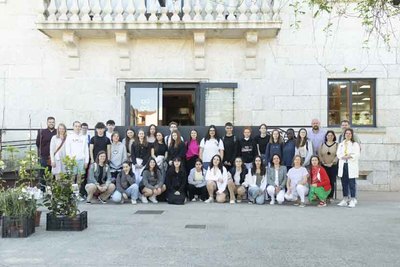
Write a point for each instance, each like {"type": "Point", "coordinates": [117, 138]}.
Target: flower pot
{"type": "Point", "coordinates": [65, 223]}
{"type": "Point", "coordinates": [38, 214]}
{"type": "Point", "coordinates": [17, 226]}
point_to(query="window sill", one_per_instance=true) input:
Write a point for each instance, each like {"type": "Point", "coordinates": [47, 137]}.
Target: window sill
{"type": "Point", "coordinates": [362, 130]}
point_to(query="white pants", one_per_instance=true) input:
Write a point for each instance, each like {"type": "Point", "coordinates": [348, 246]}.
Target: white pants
{"type": "Point", "coordinates": [280, 197]}
{"type": "Point", "coordinates": [298, 191]}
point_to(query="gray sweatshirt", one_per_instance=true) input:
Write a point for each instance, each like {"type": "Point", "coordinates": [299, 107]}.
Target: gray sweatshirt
{"type": "Point", "coordinates": [192, 181]}
{"type": "Point", "coordinates": [118, 155]}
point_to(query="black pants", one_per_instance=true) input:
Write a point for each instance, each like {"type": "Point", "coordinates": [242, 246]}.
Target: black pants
{"type": "Point", "coordinates": [42, 182]}
{"type": "Point", "coordinates": [190, 163]}
{"type": "Point", "coordinates": [200, 191]}
{"type": "Point", "coordinates": [332, 173]}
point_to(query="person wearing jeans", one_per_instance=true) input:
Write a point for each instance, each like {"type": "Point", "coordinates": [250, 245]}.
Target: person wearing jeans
{"type": "Point", "coordinates": [276, 179]}
{"type": "Point", "coordinates": [126, 185]}
{"type": "Point", "coordinates": [256, 181]}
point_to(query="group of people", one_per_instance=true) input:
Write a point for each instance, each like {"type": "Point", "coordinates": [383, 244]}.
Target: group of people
{"type": "Point", "coordinates": [149, 166]}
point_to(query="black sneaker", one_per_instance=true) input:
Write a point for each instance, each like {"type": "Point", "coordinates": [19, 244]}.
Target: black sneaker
{"type": "Point", "coordinates": [101, 201]}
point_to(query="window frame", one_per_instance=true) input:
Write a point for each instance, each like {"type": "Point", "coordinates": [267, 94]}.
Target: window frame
{"type": "Point", "coordinates": [350, 81]}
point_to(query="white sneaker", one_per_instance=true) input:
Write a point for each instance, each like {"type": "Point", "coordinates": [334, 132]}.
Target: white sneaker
{"type": "Point", "coordinates": [355, 201]}
{"type": "Point", "coordinates": [144, 200]}
{"type": "Point", "coordinates": [272, 202]}
{"type": "Point", "coordinates": [209, 200]}
{"type": "Point", "coordinates": [153, 199]}
{"type": "Point", "coordinates": [343, 203]}
{"type": "Point", "coordinates": [133, 201]}
{"type": "Point", "coordinates": [194, 199]}
{"type": "Point", "coordinates": [352, 204]}
{"type": "Point", "coordinates": [232, 201]}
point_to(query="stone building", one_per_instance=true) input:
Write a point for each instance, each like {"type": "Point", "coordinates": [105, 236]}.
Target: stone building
{"type": "Point", "coordinates": [200, 62]}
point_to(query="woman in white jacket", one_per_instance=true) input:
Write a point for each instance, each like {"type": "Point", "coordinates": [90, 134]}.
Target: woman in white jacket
{"type": "Point", "coordinates": [217, 179]}
{"type": "Point", "coordinates": [348, 154]}
{"type": "Point", "coordinates": [256, 181]}
{"type": "Point", "coordinates": [57, 150]}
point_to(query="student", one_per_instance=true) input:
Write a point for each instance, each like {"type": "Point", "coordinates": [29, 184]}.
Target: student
{"type": "Point", "coordinates": [140, 155]}
{"type": "Point", "coordinates": [316, 135]}
{"type": "Point", "coordinates": [118, 155]}
{"type": "Point", "coordinates": [303, 147]}
{"type": "Point", "coordinates": [247, 148]}
{"type": "Point", "coordinates": [99, 142]}
{"type": "Point", "coordinates": [289, 149]}
{"type": "Point", "coordinates": [176, 148]}
{"type": "Point", "coordinates": [320, 186]}
{"type": "Point", "coordinates": [274, 147]}
{"type": "Point", "coordinates": [126, 185]}
{"type": "Point", "coordinates": [262, 140]}
{"type": "Point", "coordinates": [99, 179]}
{"type": "Point", "coordinates": [256, 181]}
{"type": "Point", "coordinates": [159, 151]}
{"type": "Point", "coordinates": [230, 146]}
{"type": "Point", "coordinates": [76, 146]}
{"type": "Point", "coordinates": [237, 176]}
{"type": "Point", "coordinates": [173, 126]}
{"type": "Point", "coordinates": [348, 153]}
{"type": "Point", "coordinates": [297, 183]}
{"type": "Point", "coordinates": [152, 184]}
{"type": "Point", "coordinates": [197, 184]}
{"type": "Point", "coordinates": [57, 150]}
{"type": "Point", "coordinates": [276, 180]}
{"type": "Point", "coordinates": [110, 128]}
{"type": "Point", "coordinates": [192, 150]}
{"type": "Point", "coordinates": [217, 179]}
{"type": "Point", "coordinates": [210, 146]}
{"type": "Point", "coordinates": [43, 140]}
{"type": "Point", "coordinates": [328, 156]}
{"type": "Point", "coordinates": [130, 137]}
{"type": "Point", "coordinates": [84, 131]}
{"type": "Point", "coordinates": [151, 134]}
{"type": "Point", "coordinates": [176, 182]}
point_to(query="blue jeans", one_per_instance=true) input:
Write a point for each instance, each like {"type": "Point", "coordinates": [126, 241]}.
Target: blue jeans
{"type": "Point", "coordinates": [132, 191]}
{"type": "Point", "coordinates": [256, 194]}
{"type": "Point", "coordinates": [348, 183]}
{"type": "Point", "coordinates": [206, 165]}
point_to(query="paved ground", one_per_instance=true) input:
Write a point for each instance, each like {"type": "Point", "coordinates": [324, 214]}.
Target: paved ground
{"type": "Point", "coordinates": [235, 235]}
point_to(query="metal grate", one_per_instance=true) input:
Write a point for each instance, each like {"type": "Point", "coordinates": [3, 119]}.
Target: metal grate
{"type": "Point", "coordinates": [195, 226]}
{"type": "Point", "coordinates": [155, 212]}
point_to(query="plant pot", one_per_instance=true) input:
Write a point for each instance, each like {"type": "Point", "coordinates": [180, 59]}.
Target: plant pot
{"type": "Point", "coordinates": [38, 214]}
{"type": "Point", "coordinates": [17, 226]}
{"type": "Point", "coordinates": [65, 223]}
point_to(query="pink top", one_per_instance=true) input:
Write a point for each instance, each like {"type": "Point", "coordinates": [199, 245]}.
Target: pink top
{"type": "Point", "coordinates": [192, 149]}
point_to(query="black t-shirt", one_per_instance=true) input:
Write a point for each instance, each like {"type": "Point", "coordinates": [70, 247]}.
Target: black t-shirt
{"type": "Point", "coordinates": [230, 148]}
{"type": "Point", "coordinates": [262, 142]}
{"type": "Point", "coordinates": [99, 143]}
{"type": "Point", "coordinates": [100, 178]}
{"type": "Point", "coordinates": [160, 149]}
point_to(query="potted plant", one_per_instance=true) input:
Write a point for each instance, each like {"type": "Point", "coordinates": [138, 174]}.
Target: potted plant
{"type": "Point", "coordinates": [62, 201]}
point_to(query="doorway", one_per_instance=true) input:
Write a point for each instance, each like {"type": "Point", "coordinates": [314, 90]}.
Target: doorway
{"type": "Point", "coordinates": [178, 106]}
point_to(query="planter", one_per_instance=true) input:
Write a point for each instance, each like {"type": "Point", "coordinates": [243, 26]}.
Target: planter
{"type": "Point", "coordinates": [65, 223]}
{"type": "Point", "coordinates": [38, 214]}
{"type": "Point", "coordinates": [17, 226]}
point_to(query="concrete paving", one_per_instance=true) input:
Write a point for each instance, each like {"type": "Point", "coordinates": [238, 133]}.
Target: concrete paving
{"type": "Point", "coordinates": [234, 235]}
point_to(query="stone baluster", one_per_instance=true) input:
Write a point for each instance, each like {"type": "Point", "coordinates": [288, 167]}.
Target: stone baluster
{"type": "Point", "coordinates": [243, 10]}
{"type": "Point", "coordinates": [209, 11]}
{"type": "Point", "coordinates": [164, 17]}
{"type": "Point", "coordinates": [197, 11]}
{"type": "Point", "coordinates": [220, 11]}
{"type": "Point", "coordinates": [254, 10]}
{"type": "Point", "coordinates": [62, 10]}
{"type": "Point", "coordinates": [231, 10]}
{"type": "Point", "coordinates": [266, 10]}
{"type": "Point", "coordinates": [152, 10]}
{"type": "Point", "coordinates": [85, 10]}
{"type": "Point", "coordinates": [141, 9]}
{"type": "Point", "coordinates": [96, 9]}
{"type": "Point", "coordinates": [176, 6]}
{"type": "Point", "coordinates": [40, 11]}
{"type": "Point", "coordinates": [275, 9]}
{"type": "Point", "coordinates": [74, 9]}
{"type": "Point", "coordinates": [107, 10]}
{"type": "Point", "coordinates": [130, 10]}
{"type": "Point", "coordinates": [187, 8]}
{"type": "Point", "coordinates": [118, 12]}
{"type": "Point", "coordinates": [52, 9]}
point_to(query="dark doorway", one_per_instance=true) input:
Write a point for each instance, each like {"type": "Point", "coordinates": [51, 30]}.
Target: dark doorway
{"type": "Point", "coordinates": [179, 106]}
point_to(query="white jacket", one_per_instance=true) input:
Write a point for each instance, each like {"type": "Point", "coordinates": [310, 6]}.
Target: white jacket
{"type": "Point", "coordinates": [224, 175]}
{"type": "Point", "coordinates": [76, 145]}
{"type": "Point", "coordinates": [353, 150]}
{"type": "Point", "coordinates": [54, 145]}
{"type": "Point", "coordinates": [251, 179]}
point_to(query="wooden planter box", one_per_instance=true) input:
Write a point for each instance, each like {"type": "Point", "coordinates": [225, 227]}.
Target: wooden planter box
{"type": "Point", "coordinates": [17, 226]}
{"type": "Point", "coordinates": [65, 223]}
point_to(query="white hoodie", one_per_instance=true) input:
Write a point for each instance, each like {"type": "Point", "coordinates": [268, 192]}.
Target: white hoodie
{"type": "Point", "coordinates": [76, 145]}
{"type": "Point", "coordinates": [224, 175]}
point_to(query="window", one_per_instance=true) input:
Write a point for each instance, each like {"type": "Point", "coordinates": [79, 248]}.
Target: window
{"type": "Point", "coordinates": [353, 100]}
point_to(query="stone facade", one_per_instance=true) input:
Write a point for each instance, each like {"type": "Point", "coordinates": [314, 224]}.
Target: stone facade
{"type": "Point", "coordinates": [282, 79]}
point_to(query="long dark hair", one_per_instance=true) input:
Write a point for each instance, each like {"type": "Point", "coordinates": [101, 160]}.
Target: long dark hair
{"type": "Point", "coordinates": [200, 161]}
{"type": "Point", "coordinates": [254, 168]}
{"type": "Point", "coordinates": [127, 162]}
{"type": "Point", "coordinates": [271, 138]}
{"type": "Point", "coordinates": [98, 155]}
{"type": "Point", "coordinates": [208, 136]}
{"type": "Point", "coordinates": [148, 130]}
{"type": "Point", "coordinates": [352, 134]}
{"type": "Point", "coordinates": [220, 166]}
{"type": "Point", "coordinates": [156, 169]}
{"type": "Point", "coordinates": [272, 160]}
{"type": "Point", "coordinates": [178, 139]}
{"type": "Point", "coordinates": [156, 144]}
{"type": "Point", "coordinates": [144, 138]}
{"type": "Point", "coordinates": [127, 139]}
{"type": "Point", "coordinates": [299, 141]}
{"type": "Point", "coordinates": [332, 132]}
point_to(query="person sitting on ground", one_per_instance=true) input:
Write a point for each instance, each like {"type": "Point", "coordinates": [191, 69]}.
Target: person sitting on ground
{"type": "Point", "coordinates": [217, 179]}
{"type": "Point", "coordinates": [297, 183]}
{"type": "Point", "coordinates": [126, 185]}
{"type": "Point", "coordinates": [256, 181]}
{"type": "Point", "coordinates": [237, 176]}
{"type": "Point", "coordinates": [197, 184]}
{"type": "Point", "coordinates": [276, 180]}
{"type": "Point", "coordinates": [176, 183]}
{"type": "Point", "coordinates": [320, 184]}
{"type": "Point", "coordinates": [152, 183]}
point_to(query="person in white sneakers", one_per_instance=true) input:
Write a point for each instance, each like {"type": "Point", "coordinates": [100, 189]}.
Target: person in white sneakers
{"type": "Point", "coordinates": [237, 176]}
{"type": "Point", "coordinates": [126, 185]}
{"type": "Point", "coordinates": [276, 180]}
{"type": "Point", "coordinates": [152, 183]}
{"type": "Point", "coordinates": [256, 181]}
{"type": "Point", "coordinates": [217, 179]}
{"type": "Point", "coordinates": [297, 185]}
{"type": "Point", "coordinates": [348, 154]}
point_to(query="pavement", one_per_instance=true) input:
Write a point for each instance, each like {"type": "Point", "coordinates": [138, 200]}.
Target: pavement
{"type": "Point", "coordinates": [227, 235]}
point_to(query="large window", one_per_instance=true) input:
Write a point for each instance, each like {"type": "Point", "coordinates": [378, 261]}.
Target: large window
{"type": "Point", "coordinates": [353, 100]}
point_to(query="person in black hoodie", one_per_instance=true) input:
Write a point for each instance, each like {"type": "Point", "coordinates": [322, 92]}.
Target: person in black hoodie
{"type": "Point", "coordinates": [274, 147]}
{"type": "Point", "coordinates": [238, 174]}
{"type": "Point", "coordinates": [176, 148]}
{"type": "Point", "coordinates": [140, 154]}
{"type": "Point", "coordinates": [247, 148]}
{"type": "Point", "coordinates": [176, 183]}
{"type": "Point", "coordinates": [289, 149]}
{"type": "Point", "coordinates": [230, 146]}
